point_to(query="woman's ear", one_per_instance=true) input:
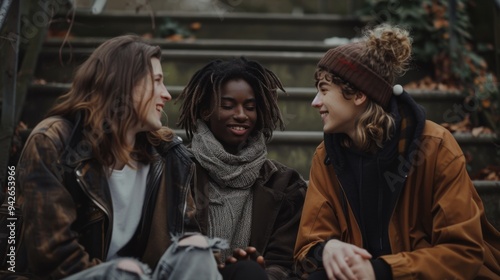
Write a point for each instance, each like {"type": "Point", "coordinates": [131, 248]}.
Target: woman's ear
{"type": "Point", "coordinates": [360, 98]}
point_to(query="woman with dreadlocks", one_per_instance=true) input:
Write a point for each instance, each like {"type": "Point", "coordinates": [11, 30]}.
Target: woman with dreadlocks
{"type": "Point", "coordinates": [229, 109]}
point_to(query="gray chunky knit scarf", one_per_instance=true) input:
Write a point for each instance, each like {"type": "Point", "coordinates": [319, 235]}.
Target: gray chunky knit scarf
{"type": "Point", "coordinates": [233, 171]}
{"type": "Point", "coordinates": [230, 192]}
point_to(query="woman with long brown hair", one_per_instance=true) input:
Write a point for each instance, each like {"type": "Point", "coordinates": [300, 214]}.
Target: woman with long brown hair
{"type": "Point", "coordinates": [101, 178]}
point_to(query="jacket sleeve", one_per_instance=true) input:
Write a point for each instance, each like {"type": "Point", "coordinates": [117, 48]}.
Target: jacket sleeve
{"type": "Point", "coordinates": [48, 210]}
{"type": "Point", "coordinates": [455, 249]}
{"type": "Point", "coordinates": [319, 221]}
{"type": "Point", "coordinates": [279, 249]}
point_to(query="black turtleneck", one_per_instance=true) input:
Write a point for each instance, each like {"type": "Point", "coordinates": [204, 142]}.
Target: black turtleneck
{"type": "Point", "coordinates": [374, 198]}
{"type": "Point", "coordinates": [368, 181]}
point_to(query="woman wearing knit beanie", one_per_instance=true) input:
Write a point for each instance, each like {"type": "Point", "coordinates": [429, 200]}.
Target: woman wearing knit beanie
{"type": "Point", "coordinates": [229, 110]}
{"type": "Point", "coordinates": [389, 196]}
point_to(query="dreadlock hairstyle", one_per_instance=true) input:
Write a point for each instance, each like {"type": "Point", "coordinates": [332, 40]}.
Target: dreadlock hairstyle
{"type": "Point", "coordinates": [205, 88]}
{"type": "Point", "coordinates": [103, 89]}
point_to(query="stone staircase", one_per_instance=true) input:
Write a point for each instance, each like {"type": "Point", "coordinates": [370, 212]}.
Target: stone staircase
{"type": "Point", "coordinates": [287, 44]}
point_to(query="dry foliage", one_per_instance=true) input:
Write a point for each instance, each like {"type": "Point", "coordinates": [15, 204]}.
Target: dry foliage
{"type": "Point", "coordinates": [465, 126]}
{"type": "Point", "coordinates": [428, 83]}
{"type": "Point", "coordinates": [489, 173]}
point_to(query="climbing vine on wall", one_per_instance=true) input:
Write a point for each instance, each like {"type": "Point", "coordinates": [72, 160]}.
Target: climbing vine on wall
{"type": "Point", "coordinates": [441, 30]}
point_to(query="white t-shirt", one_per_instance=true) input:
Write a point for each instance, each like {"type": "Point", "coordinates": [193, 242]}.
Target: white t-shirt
{"type": "Point", "coordinates": [128, 188]}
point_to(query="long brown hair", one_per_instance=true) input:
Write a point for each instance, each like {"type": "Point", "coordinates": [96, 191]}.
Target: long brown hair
{"type": "Point", "coordinates": [103, 89]}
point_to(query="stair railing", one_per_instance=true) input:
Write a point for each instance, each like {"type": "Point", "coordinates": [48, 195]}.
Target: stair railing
{"type": "Point", "coordinates": [4, 9]}
{"type": "Point", "coordinates": [11, 16]}
{"type": "Point", "coordinates": [496, 29]}
{"type": "Point", "coordinates": [13, 81]}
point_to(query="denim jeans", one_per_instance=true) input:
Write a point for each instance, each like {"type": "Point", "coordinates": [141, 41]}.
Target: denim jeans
{"type": "Point", "coordinates": [177, 263]}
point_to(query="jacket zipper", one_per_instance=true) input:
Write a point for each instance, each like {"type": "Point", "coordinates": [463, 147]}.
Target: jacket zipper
{"type": "Point", "coordinates": [379, 207]}
{"type": "Point", "coordinates": [394, 209]}
{"type": "Point", "coordinates": [149, 194]}
{"type": "Point", "coordinates": [347, 208]}
{"type": "Point", "coordinates": [184, 208]}
{"type": "Point", "coordinates": [84, 187]}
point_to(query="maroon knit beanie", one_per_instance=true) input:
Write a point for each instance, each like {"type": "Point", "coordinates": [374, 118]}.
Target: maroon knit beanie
{"type": "Point", "coordinates": [346, 62]}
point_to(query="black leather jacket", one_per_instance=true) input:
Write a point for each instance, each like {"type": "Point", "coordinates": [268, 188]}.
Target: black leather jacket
{"type": "Point", "coordinates": [67, 209]}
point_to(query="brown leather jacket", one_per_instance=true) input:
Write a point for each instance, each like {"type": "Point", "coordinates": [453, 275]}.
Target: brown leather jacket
{"type": "Point", "coordinates": [66, 203]}
{"type": "Point", "coordinates": [437, 230]}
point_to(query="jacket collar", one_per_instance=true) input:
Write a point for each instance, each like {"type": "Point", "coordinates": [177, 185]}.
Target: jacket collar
{"type": "Point", "coordinates": [165, 146]}
{"type": "Point", "coordinates": [410, 122]}
{"type": "Point", "coordinates": [412, 125]}
{"type": "Point", "coordinates": [78, 150]}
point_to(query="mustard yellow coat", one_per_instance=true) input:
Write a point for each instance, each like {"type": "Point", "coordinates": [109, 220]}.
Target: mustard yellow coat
{"type": "Point", "coordinates": [438, 229]}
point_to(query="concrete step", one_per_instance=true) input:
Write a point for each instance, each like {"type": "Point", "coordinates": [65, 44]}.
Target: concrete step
{"type": "Point", "coordinates": [489, 191]}
{"type": "Point", "coordinates": [296, 145]}
{"type": "Point", "coordinates": [204, 44]}
{"type": "Point", "coordinates": [294, 68]}
{"type": "Point", "coordinates": [295, 106]}
{"type": "Point", "coordinates": [261, 6]}
{"type": "Point", "coordinates": [296, 149]}
{"type": "Point", "coordinates": [222, 25]}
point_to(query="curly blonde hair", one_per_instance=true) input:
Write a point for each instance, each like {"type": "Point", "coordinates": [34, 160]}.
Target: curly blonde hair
{"type": "Point", "coordinates": [386, 51]}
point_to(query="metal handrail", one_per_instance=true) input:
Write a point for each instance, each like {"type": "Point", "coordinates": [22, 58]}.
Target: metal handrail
{"type": "Point", "coordinates": [98, 6]}
{"type": "Point", "coordinates": [8, 70]}
{"type": "Point", "coordinates": [496, 29]}
{"type": "Point", "coordinates": [4, 9]}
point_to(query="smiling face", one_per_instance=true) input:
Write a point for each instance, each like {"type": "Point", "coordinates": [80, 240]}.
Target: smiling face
{"type": "Point", "coordinates": [150, 97]}
{"type": "Point", "coordinates": [338, 113]}
{"type": "Point", "coordinates": [234, 121]}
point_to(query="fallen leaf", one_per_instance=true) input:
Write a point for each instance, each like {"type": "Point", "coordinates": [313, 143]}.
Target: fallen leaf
{"type": "Point", "coordinates": [477, 130]}
{"type": "Point", "coordinates": [440, 23]}
{"type": "Point", "coordinates": [486, 103]}
{"type": "Point", "coordinates": [490, 173]}
{"type": "Point", "coordinates": [175, 38]}
{"type": "Point", "coordinates": [195, 26]}
{"type": "Point", "coordinates": [39, 82]}
{"type": "Point", "coordinates": [492, 177]}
